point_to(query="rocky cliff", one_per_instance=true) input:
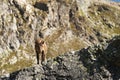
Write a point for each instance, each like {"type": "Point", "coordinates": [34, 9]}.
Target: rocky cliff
{"type": "Point", "coordinates": [66, 25]}
{"type": "Point", "coordinates": [98, 62]}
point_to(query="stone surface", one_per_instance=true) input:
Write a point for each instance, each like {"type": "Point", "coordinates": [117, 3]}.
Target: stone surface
{"type": "Point", "coordinates": [85, 64]}
{"type": "Point", "coordinates": [66, 25]}
{"type": "Point", "coordinates": [112, 52]}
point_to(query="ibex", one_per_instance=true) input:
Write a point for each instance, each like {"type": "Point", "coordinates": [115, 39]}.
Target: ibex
{"type": "Point", "coordinates": [41, 50]}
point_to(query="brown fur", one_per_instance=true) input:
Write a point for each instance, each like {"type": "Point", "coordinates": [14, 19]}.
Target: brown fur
{"type": "Point", "coordinates": [41, 50]}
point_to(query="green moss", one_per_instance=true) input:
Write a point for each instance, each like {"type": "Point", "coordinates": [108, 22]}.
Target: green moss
{"type": "Point", "coordinates": [116, 30]}
{"type": "Point", "coordinates": [21, 47]}
{"type": "Point", "coordinates": [54, 36]}
{"type": "Point", "coordinates": [72, 26]}
{"type": "Point", "coordinates": [59, 47]}
{"type": "Point", "coordinates": [71, 45]}
{"type": "Point", "coordinates": [51, 52]}
{"type": "Point", "coordinates": [1, 33]}
{"type": "Point", "coordinates": [79, 13]}
{"type": "Point", "coordinates": [43, 1]}
{"type": "Point", "coordinates": [29, 49]}
{"type": "Point", "coordinates": [12, 54]}
{"type": "Point", "coordinates": [18, 65]}
{"type": "Point", "coordinates": [41, 13]}
{"type": "Point", "coordinates": [68, 1]}
{"type": "Point", "coordinates": [21, 63]}
{"type": "Point", "coordinates": [105, 20]}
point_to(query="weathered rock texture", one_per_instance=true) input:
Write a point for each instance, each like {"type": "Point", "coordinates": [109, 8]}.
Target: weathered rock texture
{"type": "Point", "coordinates": [112, 52]}
{"type": "Point", "coordinates": [66, 25]}
{"type": "Point", "coordinates": [87, 64]}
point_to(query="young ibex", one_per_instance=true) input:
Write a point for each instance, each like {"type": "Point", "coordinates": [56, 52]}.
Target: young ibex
{"type": "Point", "coordinates": [41, 50]}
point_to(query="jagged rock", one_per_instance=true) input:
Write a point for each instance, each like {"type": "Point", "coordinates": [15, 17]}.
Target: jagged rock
{"type": "Point", "coordinates": [86, 64]}
{"type": "Point", "coordinates": [112, 52]}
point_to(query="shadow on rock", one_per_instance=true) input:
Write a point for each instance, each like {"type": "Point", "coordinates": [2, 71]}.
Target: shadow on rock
{"type": "Point", "coordinates": [102, 62]}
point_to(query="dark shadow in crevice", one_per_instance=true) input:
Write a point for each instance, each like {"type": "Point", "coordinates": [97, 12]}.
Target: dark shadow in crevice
{"type": "Point", "coordinates": [41, 6]}
{"type": "Point", "coordinates": [21, 10]}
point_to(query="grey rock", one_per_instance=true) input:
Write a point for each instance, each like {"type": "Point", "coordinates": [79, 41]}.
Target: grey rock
{"type": "Point", "coordinates": [112, 52]}
{"type": "Point", "coordinates": [78, 65]}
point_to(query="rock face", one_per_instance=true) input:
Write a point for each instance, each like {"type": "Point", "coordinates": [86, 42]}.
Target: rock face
{"type": "Point", "coordinates": [112, 52]}
{"type": "Point", "coordinates": [87, 64]}
{"type": "Point", "coordinates": [66, 25]}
